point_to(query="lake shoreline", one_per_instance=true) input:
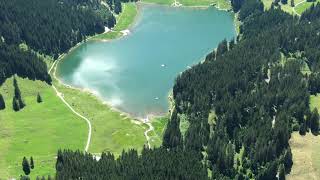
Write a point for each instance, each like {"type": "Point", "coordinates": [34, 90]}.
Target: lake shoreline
{"type": "Point", "coordinates": [93, 92]}
{"type": "Point", "coordinates": [151, 116]}
{"type": "Point", "coordinates": [101, 100]}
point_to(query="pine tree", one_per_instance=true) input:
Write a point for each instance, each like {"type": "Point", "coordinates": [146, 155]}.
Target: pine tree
{"type": "Point", "coordinates": [117, 7]}
{"type": "Point", "coordinates": [31, 163]}
{"type": "Point", "coordinates": [39, 98]}
{"type": "Point", "coordinates": [288, 160]}
{"type": "Point", "coordinates": [303, 128]}
{"type": "Point", "coordinates": [15, 104]}
{"type": "Point", "coordinates": [314, 121]}
{"type": "Point", "coordinates": [111, 21]}
{"type": "Point", "coordinates": [231, 44]}
{"type": "Point", "coordinates": [2, 103]}
{"type": "Point", "coordinates": [284, 1]}
{"type": "Point", "coordinates": [25, 166]}
{"type": "Point", "coordinates": [17, 94]}
{"type": "Point", "coordinates": [282, 173]}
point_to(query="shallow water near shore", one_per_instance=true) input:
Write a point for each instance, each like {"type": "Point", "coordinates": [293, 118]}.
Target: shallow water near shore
{"type": "Point", "coordinates": [135, 73]}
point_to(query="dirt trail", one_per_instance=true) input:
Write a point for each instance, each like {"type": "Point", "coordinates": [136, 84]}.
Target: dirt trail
{"type": "Point", "coordinates": [151, 128]}
{"type": "Point", "coordinates": [60, 95]}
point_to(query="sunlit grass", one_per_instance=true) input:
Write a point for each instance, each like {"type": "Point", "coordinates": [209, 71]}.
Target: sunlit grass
{"type": "Point", "coordinates": [38, 130]}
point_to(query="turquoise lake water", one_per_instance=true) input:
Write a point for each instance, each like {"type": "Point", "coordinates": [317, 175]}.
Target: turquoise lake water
{"type": "Point", "coordinates": [135, 73]}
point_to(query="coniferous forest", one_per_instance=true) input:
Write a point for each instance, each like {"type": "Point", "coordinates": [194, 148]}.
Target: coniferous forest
{"type": "Point", "coordinates": [255, 89]}
{"type": "Point", "coordinates": [49, 27]}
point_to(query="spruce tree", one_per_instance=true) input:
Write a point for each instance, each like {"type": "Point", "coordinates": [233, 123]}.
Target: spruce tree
{"type": "Point", "coordinates": [282, 173]}
{"type": "Point", "coordinates": [288, 160]}
{"type": "Point", "coordinates": [303, 128]}
{"type": "Point", "coordinates": [2, 103]}
{"type": "Point", "coordinates": [39, 98]}
{"type": "Point", "coordinates": [15, 104]}
{"type": "Point", "coordinates": [231, 44]}
{"type": "Point", "coordinates": [17, 94]}
{"type": "Point", "coordinates": [314, 121]}
{"type": "Point", "coordinates": [25, 166]}
{"type": "Point", "coordinates": [31, 163]}
{"type": "Point", "coordinates": [117, 7]}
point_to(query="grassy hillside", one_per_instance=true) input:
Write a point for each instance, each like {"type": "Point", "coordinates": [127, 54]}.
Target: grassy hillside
{"type": "Point", "coordinates": [159, 124]}
{"type": "Point", "coordinates": [298, 9]}
{"type": "Point", "coordinates": [111, 131]}
{"type": "Point", "coordinates": [38, 130]}
{"type": "Point", "coordinates": [285, 7]}
{"type": "Point", "coordinates": [303, 6]}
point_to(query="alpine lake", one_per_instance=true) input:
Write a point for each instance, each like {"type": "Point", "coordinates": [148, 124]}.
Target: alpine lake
{"type": "Point", "coordinates": [135, 73]}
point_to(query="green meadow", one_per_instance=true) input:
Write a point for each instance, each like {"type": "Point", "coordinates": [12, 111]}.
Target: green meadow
{"type": "Point", "coordinates": [111, 130]}
{"type": "Point", "coordinates": [159, 124]}
{"type": "Point", "coordinates": [303, 6]}
{"type": "Point", "coordinates": [38, 130]}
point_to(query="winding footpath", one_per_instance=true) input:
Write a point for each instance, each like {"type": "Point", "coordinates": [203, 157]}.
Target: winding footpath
{"type": "Point", "coordinates": [60, 95]}
{"type": "Point", "coordinates": [151, 128]}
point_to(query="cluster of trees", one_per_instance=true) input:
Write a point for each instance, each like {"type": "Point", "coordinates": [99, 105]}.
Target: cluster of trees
{"type": "Point", "coordinates": [52, 26]}
{"type": "Point", "coordinates": [311, 122]}
{"type": "Point", "coordinates": [250, 7]}
{"type": "Point", "coordinates": [115, 5]}
{"type": "Point", "coordinates": [26, 166]}
{"type": "Point", "coordinates": [236, 4]}
{"type": "Point", "coordinates": [48, 27]}
{"type": "Point", "coordinates": [24, 63]}
{"type": "Point", "coordinates": [151, 164]}
{"type": "Point", "coordinates": [256, 98]}
{"type": "Point", "coordinates": [17, 101]}
{"type": "Point", "coordinates": [258, 94]}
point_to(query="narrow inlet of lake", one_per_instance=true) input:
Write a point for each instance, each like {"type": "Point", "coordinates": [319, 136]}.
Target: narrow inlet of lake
{"type": "Point", "coordinates": [135, 73]}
